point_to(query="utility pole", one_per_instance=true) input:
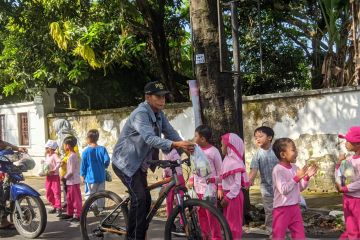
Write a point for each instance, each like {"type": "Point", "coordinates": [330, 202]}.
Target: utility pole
{"type": "Point", "coordinates": [236, 59]}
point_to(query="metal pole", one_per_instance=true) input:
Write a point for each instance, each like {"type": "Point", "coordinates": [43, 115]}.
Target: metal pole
{"type": "Point", "coordinates": [238, 93]}
{"type": "Point", "coordinates": [236, 58]}
{"type": "Point", "coordinates": [260, 38]}
{"type": "Point", "coordinates": [220, 29]}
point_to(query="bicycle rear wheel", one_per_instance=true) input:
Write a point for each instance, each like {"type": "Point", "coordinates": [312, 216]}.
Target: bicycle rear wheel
{"type": "Point", "coordinates": [95, 222]}
{"type": "Point", "coordinates": [194, 227]}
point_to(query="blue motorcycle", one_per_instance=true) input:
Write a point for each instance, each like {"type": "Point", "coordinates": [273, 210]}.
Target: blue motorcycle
{"type": "Point", "coordinates": [22, 202]}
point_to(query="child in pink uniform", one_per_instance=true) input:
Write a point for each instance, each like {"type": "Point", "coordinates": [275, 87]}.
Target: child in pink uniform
{"type": "Point", "coordinates": [72, 177]}
{"type": "Point", "coordinates": [173, 156]}
{"type": "Point", "coordinates": [288, 181]}
{"type": "Point", "coordinates": [233, 177]}
{"type": "Point", "coordinates": [351, 197]}
{"type": "Point", "coordinates": [207, 222]}
{"type": "Point", "coordinates": [52, 182]}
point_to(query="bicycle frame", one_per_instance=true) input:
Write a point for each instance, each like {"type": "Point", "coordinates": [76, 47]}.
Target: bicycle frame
{"type": "Point", "coordinates": [173, 182]}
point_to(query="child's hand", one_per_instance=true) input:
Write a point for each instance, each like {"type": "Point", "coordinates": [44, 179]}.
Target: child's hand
{"type": "Point", "coordinates": [82, 179]}
{"type": "Point", "coordinates": [301, 172]}
{"type": "Point", "coordinates": [62, 164]}
{"type": "Point", "coordinates": [311, 171]}
{"type": "Point", "coordinates": [224, 203]}
{"type": "Point", "coordinates": [341, 157]}
{"type": "Point", "coordinates": [338, 187]}
{"type": "Point", "coordinates": [220, 194]}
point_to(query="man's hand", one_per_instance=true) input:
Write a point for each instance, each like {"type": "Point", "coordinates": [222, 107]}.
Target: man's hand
{"type": "Point", "coordinates": [185, 145]}
{"type": "Point", "coordinates": [22, 149]}
{"type": "Point", "coordinates": [82, 179]}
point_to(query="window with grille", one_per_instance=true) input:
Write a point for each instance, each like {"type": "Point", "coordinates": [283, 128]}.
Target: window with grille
{"type": "Point", "coordinates": [23, 129]}
{"type": "Point", "coordinates": [2, 127]}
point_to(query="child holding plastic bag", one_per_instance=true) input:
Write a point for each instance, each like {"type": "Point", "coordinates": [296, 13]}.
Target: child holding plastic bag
{"type": "Point", "coordinates": [173, 156]}
{"type": "Point", "coordinates": [234, 177]}
{"type": "Point", "coordinates": [205, 179]}
{"type": "Point", "coordinates": [348, 171]}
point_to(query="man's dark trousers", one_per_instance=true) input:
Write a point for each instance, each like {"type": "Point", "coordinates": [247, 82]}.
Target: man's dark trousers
{"type": "Point", "coordinates": [140, 202]}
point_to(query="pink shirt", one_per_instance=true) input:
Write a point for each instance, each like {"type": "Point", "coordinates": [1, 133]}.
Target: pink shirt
{"type": "Point", "coordinates": [214, 156]}
{"type": "Point", "coordinates": [73, 170]}
{"type": "Point", "coordinates": [54, 162]}
{"type": "Point", "coordinates": [287, 186]}
{"type": "Point", "coordinates": [353, 189]}
{"type": "Point", "coordinates": [232, 185]}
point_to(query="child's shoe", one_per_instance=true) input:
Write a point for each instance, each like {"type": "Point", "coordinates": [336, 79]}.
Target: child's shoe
{"type": "Point", "coordinates": [58, 212]}
{"type": "Point", "coordinates": [75, 220]}
{"type": "Point", "coordinates": [65, 217]}
{"type": "Point", "coordinates": [64, 206]}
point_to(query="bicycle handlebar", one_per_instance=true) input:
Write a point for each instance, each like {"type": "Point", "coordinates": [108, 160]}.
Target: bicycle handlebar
{"type": "Point", "coordinates": [169, 163]}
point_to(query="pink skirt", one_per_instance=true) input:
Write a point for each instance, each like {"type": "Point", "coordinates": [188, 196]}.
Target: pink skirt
{"type": "Point", "coordinates": [233, 213]}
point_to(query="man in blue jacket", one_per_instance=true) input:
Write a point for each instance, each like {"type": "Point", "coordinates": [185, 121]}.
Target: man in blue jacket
{"type": "Point", "coordinates": [140, 141]}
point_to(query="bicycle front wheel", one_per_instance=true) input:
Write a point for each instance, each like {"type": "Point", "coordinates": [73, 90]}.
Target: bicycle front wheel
{"type": "Point", "coordinates": [197, 220]}
{"type": "Point", "coordinates": [102, 217]}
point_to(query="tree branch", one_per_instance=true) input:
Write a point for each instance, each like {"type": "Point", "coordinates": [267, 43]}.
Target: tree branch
{"type": "Point", "coordinates": [294, 39]}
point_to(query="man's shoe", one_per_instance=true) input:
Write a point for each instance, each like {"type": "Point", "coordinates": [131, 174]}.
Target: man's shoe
{"type": "Point", "coordinates": [65, 217]}
{"type": "Point", "coordinates": [95, 210]}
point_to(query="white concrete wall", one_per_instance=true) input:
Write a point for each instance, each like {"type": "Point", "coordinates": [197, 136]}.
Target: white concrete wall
{"type": "Point", "coordinates": [312, 119]}
{"type": "Point", "coordinates": [37, 111]}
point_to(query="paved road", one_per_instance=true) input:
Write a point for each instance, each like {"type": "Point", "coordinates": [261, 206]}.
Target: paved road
{"type": "Point", "coordinates": [65, 230]}
{"type": "Point", "coordinates": [56, 229]}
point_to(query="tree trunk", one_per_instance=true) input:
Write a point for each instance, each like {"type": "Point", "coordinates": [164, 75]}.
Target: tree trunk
{"type": "Point", "coordinates": [154, 20]}
{"type": "Point", "coordinates": [316, 55]}
{"type": "Point", "coordinates": [316, 61]}
{"type": "Point", "coordinates": [355, 10]}
{"type": "Point", "coordinates": [216, 89]}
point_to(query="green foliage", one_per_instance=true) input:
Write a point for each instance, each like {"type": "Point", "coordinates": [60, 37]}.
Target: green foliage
{"type": "Point", "coordinates": [109, 48]}
{"type": "Point", "coordinates": [285, 66]}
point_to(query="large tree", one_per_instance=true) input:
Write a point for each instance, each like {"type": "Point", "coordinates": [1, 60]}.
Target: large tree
{"type": "Point", "coordinates": [216, 88]}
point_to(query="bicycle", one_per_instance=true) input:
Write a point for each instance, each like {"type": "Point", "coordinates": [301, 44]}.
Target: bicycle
{"type": "Point", "coordinates": [113, 217]}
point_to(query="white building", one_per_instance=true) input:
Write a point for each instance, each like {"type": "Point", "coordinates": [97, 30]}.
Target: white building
{"type": "Point", "coordinates": [25, 124]}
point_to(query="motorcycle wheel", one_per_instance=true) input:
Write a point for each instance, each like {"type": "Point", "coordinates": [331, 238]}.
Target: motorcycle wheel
{"type": "Point", "coordinates": [34, 221]}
